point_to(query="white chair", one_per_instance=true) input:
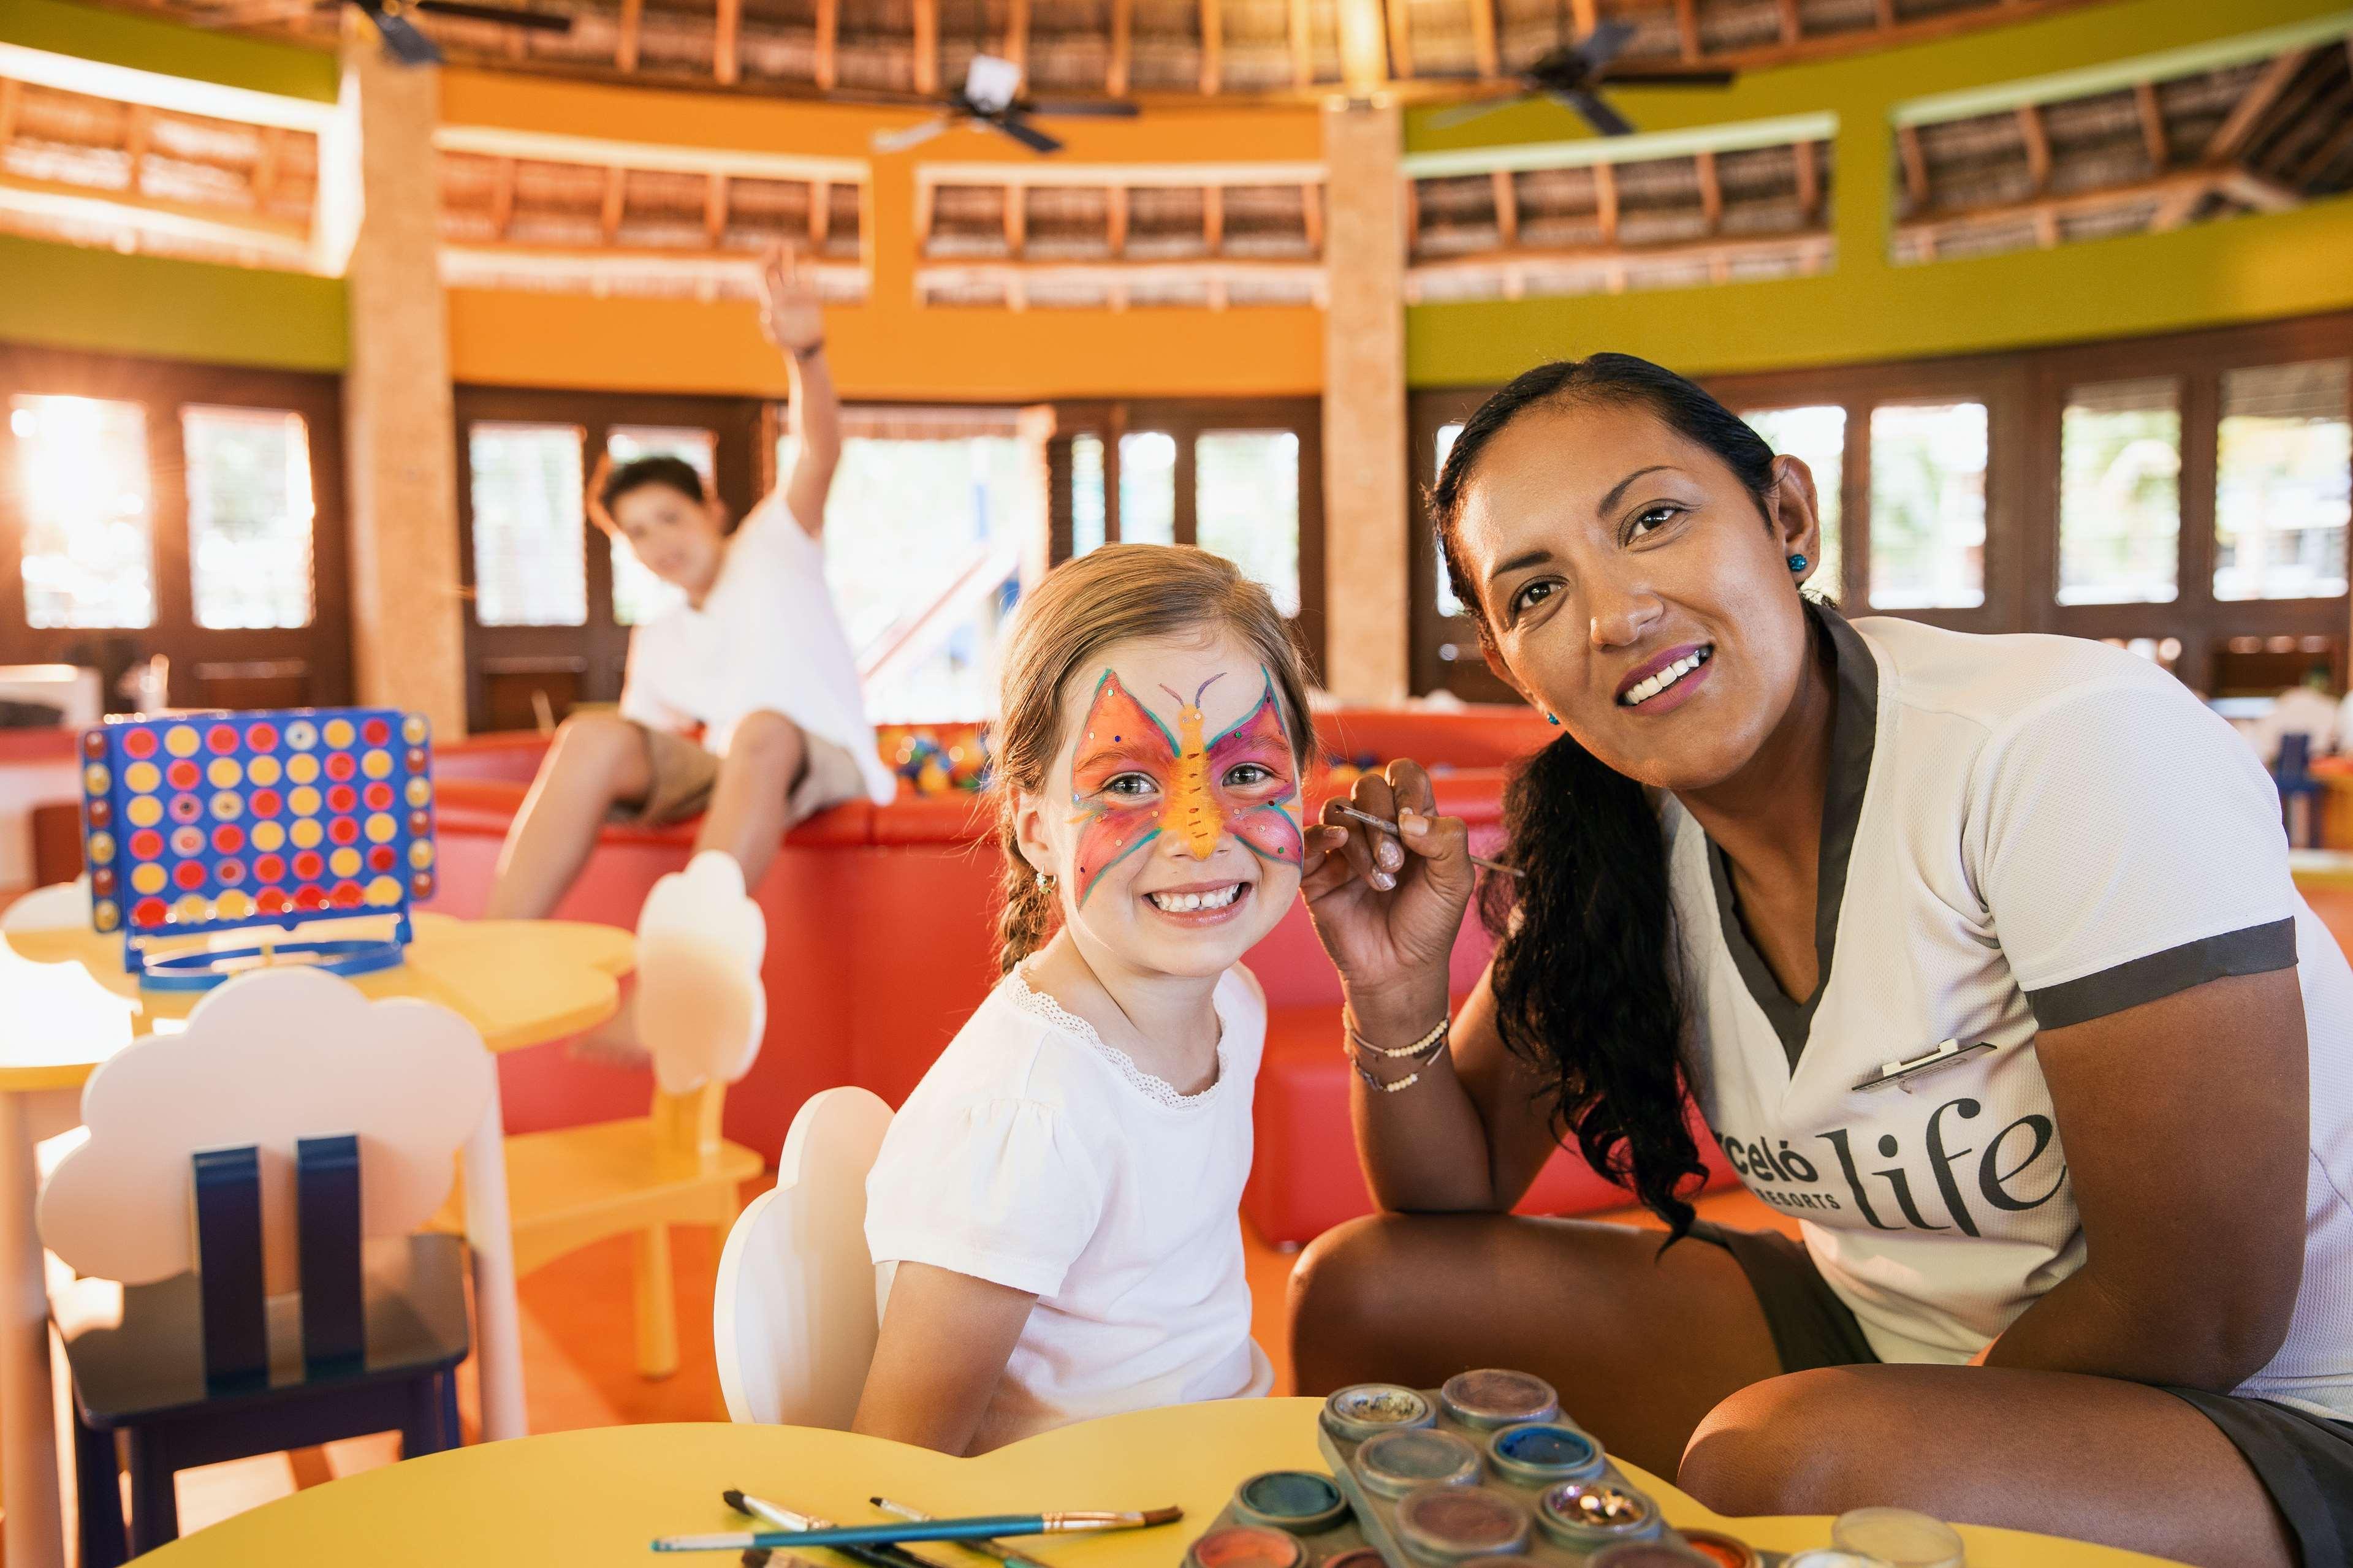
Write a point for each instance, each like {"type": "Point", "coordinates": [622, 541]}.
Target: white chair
{"type": "Point", "coordinates": [795, 1317]}
{"type": "Point", "coordinates": [61, 906]}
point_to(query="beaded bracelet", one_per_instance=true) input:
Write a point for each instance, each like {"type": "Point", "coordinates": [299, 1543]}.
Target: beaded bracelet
{"type": "Point", "coordinates": [1420, 1047]}
{"type": "Point", "coordinates": [1433, 1044]}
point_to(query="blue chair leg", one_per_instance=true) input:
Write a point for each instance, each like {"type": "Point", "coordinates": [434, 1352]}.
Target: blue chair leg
{"type": "Point", "coordinates": [453, 1431]}
{"type": "Point", "coordinates": [155, 1507]}
{"type": "Point", "coordinates": [420, 1431]}
{"type": "Point", "coordinates": [97, 1488]}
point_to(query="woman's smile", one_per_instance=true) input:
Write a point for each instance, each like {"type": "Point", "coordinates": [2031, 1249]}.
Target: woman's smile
{"type": "Point", "coordinates": [1666, 681]}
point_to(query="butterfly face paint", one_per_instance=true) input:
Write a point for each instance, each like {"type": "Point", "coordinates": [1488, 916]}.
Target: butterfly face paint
{"type": "Point", "coordinates": [1132, 781]}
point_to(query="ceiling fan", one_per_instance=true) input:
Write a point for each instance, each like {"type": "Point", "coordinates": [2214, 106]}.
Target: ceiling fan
{"type": "Point", "coordinates": [1572, 73]}
{"type": "Point", "coordinates": [991, 97]}
{"type": "Point", "coordinates": [402, 39]}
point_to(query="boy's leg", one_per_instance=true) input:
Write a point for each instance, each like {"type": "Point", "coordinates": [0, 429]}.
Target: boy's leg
{"type": "Point", "coordinates": [597, 760]}
{"type": "Point", "coordinates": [752, 805]}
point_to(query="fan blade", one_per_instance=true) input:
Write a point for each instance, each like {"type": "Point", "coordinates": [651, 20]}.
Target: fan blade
{"type": "Point", "coordinates": [1028, 135]}
{"type": "Point", "coordinates": [1082, 109]}
{"type": "Point", "coordinates": [900, 141]}
{"type": "Point", "coordinates": [401, 38]}
{"type": "Point", "coordinates": [1665, 75]}
{"type": "Point", "coordinates": [1599, 46]}
{"type": "Point", "coordinates": [1464, 113]}
{"type": "Point", "coordinates": [537, 21]}
{"type": "Point", "coordinates": [1598, 114]}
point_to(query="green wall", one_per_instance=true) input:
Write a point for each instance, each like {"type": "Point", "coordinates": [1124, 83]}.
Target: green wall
{"type": "Point", "coordinates": [1868, 309]}
{"type": "Point", "coordinates": [76, 296]}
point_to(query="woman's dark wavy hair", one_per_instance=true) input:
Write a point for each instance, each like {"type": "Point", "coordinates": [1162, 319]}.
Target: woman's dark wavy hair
{"type": "Point", "coordinates": [1586, 989]}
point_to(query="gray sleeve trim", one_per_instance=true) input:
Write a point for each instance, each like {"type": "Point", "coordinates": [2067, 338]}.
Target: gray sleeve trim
{"type": "Point", "coordinates": [2256, 949]}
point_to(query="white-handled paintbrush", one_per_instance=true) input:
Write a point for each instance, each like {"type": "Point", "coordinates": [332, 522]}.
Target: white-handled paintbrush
{"type": "Point", "coordinates": [1383, 825]}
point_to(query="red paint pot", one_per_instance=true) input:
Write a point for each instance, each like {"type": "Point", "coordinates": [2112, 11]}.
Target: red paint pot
{"type": "Point", "coordinates": [1245, 1546]}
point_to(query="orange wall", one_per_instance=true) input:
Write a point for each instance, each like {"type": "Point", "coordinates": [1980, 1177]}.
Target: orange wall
{"type": "Point", "coordinates": [889, 347]}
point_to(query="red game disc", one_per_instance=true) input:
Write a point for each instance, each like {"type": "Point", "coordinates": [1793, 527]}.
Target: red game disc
{"type": "Point", "coordinates": [343, 831]}
{"type": "Point", "coordinates": [421, 884]}
{"type": "Point", "coordinates": [230, 873]}
{"type": "Point", "coordinates": [310, 898]}
{"type": "Point", "coordinates": [270, 900]}
{"type": "Point", "coordinates": [139, 743]}
{"type": "Point", "coordinates": [269, 867]}
{"type": "Point", "coordinates": [147, 912]}
{"type": "Point", "coordinates": [342, 797]}
{"type": "Point", "coordinates": [347, 895]}
{"type": "Point", "coordinates": [264, 802]}
{"type": "Point", "coordinates": [101, 882]}
{"type": "Point", "coordinates": [381, 858]}
{"type": "Point", "coordinates": [262, 738]}
{"type": "Point", "coordinates": [378, 796]}
{"type": "Point", "coordinates": [182, 775]}
{"type": "Point", "coordinates": [222, 738]}
{"type": "Point", "coordinates": [93, 745]}
{"type": "Point", "coordinates": [228, 839]}
{"type": "Point", "coordinates": [188, 874]}
{"type": "Point", "coordinates": [146, 844]}
{"type": "Point", "coordinates": [307, 866]}
{"type": "Point", "coordinates": [101, 812]}
{"type": "Point", "coordinates": [340, 765]}
{"type": "Point", "coordinates": [375, 731]}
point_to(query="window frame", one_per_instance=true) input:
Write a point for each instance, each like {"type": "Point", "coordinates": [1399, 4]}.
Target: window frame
{"type": "Point", "coordinates": [210, 667]}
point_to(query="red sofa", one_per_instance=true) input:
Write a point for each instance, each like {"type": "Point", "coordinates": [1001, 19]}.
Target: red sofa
{"type": "Point", "coordinates": [880, 926]}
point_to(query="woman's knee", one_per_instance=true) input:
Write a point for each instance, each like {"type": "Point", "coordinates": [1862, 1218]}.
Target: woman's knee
{"type": "Point", "coordinates": [1799, 1443]}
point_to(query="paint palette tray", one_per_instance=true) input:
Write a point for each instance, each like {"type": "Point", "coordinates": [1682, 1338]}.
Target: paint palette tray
{"type": "Point", "coordinates": [1284, 1518]}
{"type": "Point", "coordinates": [1487, 1467]}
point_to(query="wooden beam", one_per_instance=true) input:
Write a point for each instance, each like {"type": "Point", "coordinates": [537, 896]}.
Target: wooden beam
{"type": "Point", "coordinates": [1484, 51]}
{"type": "Point", "coordinates": [1412, 202]}
{"type": "Point", "coordinates": [286, 242]}
{"type": "Point", "coordinates": [715, 209]}
{"type": "Point", "coordinates": [1815, 244]}
{"type": "Point", "coordinates": [729, 22]}
{"type": "Point", "coordinates": [1213, 46]}
{"type": "Point", "coordinates": [1123, 37]}
{"type": "Point", "coordinates": [820, 218]}
{"type": "Point", "coordinates": [926, 206]}
{"type": "Point", "coordinates": [268, 156]}
{"type": "Point", "coordinates": [1213, 218]}
{"type": "Point", "coordinates": [1915, 165]}
{"type": "Point", "coordinates": [1115, 219]}
{"type": "Point", "coordinates": [2037, 139]}
{"type": "Point", "coordinates": [502, 198]}
{"type": "Point", "coordinates": [1507, 209]}
{"type": "Point", "coordinates": [827, 67]}
{"type": "Point", "coordinates": [1400, 21]}
{"type": "Point", "coordinates": [1016, 219]}
{"type": "Point", "coordinates": [2325, 155]}
{"type": "Point", "coordinates": [138, 130]}
{"type": "Point", "coordinates": [1883, 15]}
{"type": "Point", "coordinates": [1605, 201]}
{"type": "Point", "coordinates": [616, 200]}
{"type": "Point", "coordinates": [1583, 13]}
{"type": "Point", "coordinates": [1711, 191]}
{"type": "Point", "coordinates": [2152, 127]}
{"type": "Point", "coordinates": [1311, 216]}
{"type": "Point", "coordinates": [1687, 27]}
{"type": "Point", "coordinates": [2183, 188]}
{"type": "Point", "coordinates": [1017, 33]}
{"type": "Point", "coordinates": [2232, 133]}
{"type": "Point", "coordinates": [1809, 183]}
{"type": "Point", "coordinates": [927, 45]}
{"type": "Point", "coordinates": [1302, 45]}
{"type": "Point", "coordinates": [1791, 29]}
{"type": "Point", "coordinates": [625, 39]}
{"type": "Point", "coordinates": [12, 92]}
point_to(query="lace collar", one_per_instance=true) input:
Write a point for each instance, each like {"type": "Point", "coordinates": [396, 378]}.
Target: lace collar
{"type": "Point", "coordinates": [1158, 1090]}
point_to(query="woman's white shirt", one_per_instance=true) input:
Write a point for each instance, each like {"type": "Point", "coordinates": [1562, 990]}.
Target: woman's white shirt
{"type": "Point", "coordinates": [1037, 1157]}
{"type": "Point", "coordinates": [2021, 832]}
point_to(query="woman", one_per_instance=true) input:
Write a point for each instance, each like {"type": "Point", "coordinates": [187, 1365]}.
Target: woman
{"type": "Point", "coordinates": [2088, 1269]}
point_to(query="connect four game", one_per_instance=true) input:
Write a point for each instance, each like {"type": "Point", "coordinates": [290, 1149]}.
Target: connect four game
{"type": "Point", "coordinates": [200, 822]}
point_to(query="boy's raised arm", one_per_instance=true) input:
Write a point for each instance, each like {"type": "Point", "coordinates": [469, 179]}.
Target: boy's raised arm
{"type": "Point", "coordinates": [793, 320]}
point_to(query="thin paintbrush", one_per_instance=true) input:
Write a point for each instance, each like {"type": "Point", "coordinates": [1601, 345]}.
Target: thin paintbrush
{"type": "Point", "coordinates": [1382, 825]}
{"type": "Point", "coordinates": [1011, 1556]}
{"type": "Point", "coordinates": [928, 1529]}
{"type": "Point", "coordinates": [800, 1523]}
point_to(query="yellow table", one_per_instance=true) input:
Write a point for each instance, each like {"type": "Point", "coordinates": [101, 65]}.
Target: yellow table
{"type": "Point", "coordinates": [583, 1498]}
{"type": "Point", "coordinates": [520, 982]}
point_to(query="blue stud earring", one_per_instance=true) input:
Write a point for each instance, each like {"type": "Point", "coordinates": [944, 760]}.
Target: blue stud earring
{"type": "Point", "coordinates": [1552, 719]}
{"type": "Point", "coordinates": [1796, 563]}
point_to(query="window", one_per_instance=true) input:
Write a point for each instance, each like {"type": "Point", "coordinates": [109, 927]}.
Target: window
{"type": "Point", "coordinates": [88, 549]}
{"type": "Point", "coordinates": [1246, 506]}
{"type": "Point", "coordinates": [1815, 435]}
{"type": "Point", "coordinates": [2280, 485]}
{"type": "Point", "coordinates": [1448, 604]}
{"type": "Point", "coordinates": [531, 565]}
{"type": "Point", "coordinates": [1147, 487]}
{"type": "Point", "coordinates": [922, 539]}
{"type": "Point", "coordinates": [1086, 494]}
{"type": "Point", "coordinates": [638, 595]}
{"type": "Point", "coordinates": [2120, 493]}
{"type": "Point", "coordinates": [1927, 505]}
{"type": "Point", "coordinates": [250, 511]}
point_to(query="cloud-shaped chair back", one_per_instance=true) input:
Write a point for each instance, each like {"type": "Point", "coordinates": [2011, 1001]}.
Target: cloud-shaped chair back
{"type": "Point", "coordinates": [267, 1059]}
{"type": "Point", "coordinates": [700, 1006]}
{"type": "Point", "coordinates": [61, 906]}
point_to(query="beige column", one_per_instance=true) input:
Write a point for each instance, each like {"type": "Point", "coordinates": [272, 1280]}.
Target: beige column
{"type": "Point", "coordinates": [380, 205]}
{"type": "Point", "coordinates": [1366, 577]}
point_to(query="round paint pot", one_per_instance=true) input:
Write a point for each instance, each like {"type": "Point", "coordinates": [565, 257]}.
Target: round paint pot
{"type": "Point", "coordinates": [1830, 1557]}
{"type": "Point", "coordinates": [1586, 1516]}
{"type": "Point", "coordinates": [1538, 1453]}
{"type": "Point", "coordinates": [1394, 1463]}
{"type": "Point", "coordinates": [1490, 1398]}
{"type": "Point", "coordinates": [1722, 1550]}
{"type": "Point", "coordinates": [1245, 1546]}
{"type": "Point", "coordinates": [1361, 1557]}
{"type": "Point", "coordinates": [1300, 1502]}
{"type": "Point", "coordinates": [1646, 1554]}
{"type": "Point", "coordinates": [1369, 1409]}
{"type": "Point", "coordinates": [1452, 1524]}
{"type": "Point", "coordinates": [1898, 1537]}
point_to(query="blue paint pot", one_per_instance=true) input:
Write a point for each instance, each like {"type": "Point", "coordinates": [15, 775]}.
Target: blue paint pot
{"type": "Point", "coordinates": [1539, 1453]}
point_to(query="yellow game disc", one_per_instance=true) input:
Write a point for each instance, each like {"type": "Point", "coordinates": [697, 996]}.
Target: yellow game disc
{"type": "Point", "coordinates": [144, 811]}
{"type": "Point", "coordinates": [420, 854]}
{"type": "Point", "coordinates": [143, 778]}
{"type": "Point", "coordinates": [267, 837]}
{"type": "Point", "coordinates": [381, 827]}
{"type": "Point", "coordinates": [223, 772]}
{"type": "Point", "coordinates": [95, 778]}
{"type": "Point", "coordinates": [421, 789]}
{"type": "Point", "coordinates": [337, 732]}
{"type": "Point", "coordinates": [412, 729]}
{"type": "Point", "coordinates": [383, 890]}
{"type": "Point", "coordinates": [234, 906]}
{"type": "Point", "coordinates": [303, 769]}
{"type": "Point", "coordinates": [104, 915]}
{"type": "Point", "coordinates": [263, 771]}
{"type": "Point", "coordinates": [191, 909]}
{"type": "Point", "coordinates": [101, 849]}
{"type": "Point", "coordinates": [147, 877]}
{"type": "Point", "coordinates": [303, 802]}
{"type": "Point", "coordinates": [345, 862]}
{"type": "Point", "coordinates": [180, 741]}
{"type": "Point", "coordinates": [377, 764]}
{"type": "Point", "coordinates": [306, 833]}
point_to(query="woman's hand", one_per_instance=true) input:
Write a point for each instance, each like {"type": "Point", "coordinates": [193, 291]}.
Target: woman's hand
{"type": "Point", "coordinates": [790, 310]}
{"type": "Point", "coordinates": [1388, 909]}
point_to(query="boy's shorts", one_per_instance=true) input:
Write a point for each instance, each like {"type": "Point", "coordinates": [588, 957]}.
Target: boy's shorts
{"type": "Point", "coordinates": [684, 774]}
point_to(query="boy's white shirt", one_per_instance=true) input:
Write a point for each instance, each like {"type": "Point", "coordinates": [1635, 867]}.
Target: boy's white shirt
{"type": "Point", "coordinates": [769, 638]}
{"type": "Point", "coordinates": [1037, 1157]}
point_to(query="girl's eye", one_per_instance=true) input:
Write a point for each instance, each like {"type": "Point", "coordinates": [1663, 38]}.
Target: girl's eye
{"type": "Point", "coordinates": [1249, 775]}
{"type": "Point", "coordinates": [1131, 785]}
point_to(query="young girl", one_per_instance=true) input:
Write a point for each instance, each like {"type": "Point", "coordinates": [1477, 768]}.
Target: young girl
{"type": "Point", "coordinates": [1058, 1198]}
